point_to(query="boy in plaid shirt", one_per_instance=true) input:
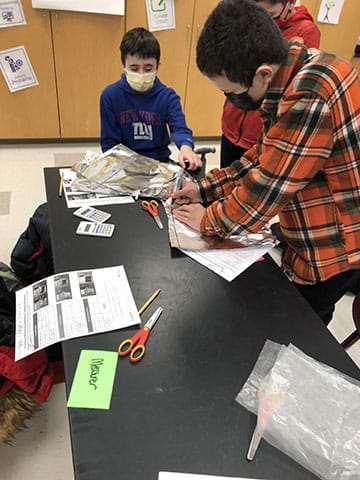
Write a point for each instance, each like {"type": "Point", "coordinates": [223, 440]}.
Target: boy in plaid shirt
{"type": "Point", "coordinates": [306, 166]}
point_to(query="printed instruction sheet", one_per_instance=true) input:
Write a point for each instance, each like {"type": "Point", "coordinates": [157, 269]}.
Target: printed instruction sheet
{"type": "Point", "coordinates": [76, 198]}
{"type": "Point", "coordinates": [72, 304]}
{"type": "Point", "coordinates": [228, 263]}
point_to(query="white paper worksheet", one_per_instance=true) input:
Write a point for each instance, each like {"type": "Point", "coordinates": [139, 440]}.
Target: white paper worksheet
{"type": "Point", "coordinates": [72, 304]}
{"type": "Point", "coordinates": [228, 263]}
{"type": "Point", "coordinates": [188, 476]}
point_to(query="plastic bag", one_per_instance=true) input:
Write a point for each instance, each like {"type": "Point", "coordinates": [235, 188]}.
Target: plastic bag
{"type": "Point", "coordinates": [124, 172]}
{"type": "Point", "coordinates": [309, 411]}
{"type": "Point", "coordinates": [248, 395]}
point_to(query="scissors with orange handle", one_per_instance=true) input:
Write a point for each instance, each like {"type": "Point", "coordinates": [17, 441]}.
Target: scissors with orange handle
{"type": "Point", "coordinates": [152, 207]}
{"type": "Point", "coordinates": [135, 346]}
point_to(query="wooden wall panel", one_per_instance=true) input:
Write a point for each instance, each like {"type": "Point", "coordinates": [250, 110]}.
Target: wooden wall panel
{"type": "Point", "coordinates": [86, 47]}
{"type": "Point", "coordinates": [32, 112]}
{"type": "Point", "coordinates": [203, 102]}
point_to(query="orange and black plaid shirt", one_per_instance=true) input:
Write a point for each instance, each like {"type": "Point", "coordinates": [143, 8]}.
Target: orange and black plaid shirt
{"type": "Point", "coordinates": [306, 169]}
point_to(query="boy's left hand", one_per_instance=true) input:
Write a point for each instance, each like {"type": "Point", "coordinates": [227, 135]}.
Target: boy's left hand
{"type": "Point", "coordinates": [187, 154]}
{"type": "Point", "coordinates": [191, 215]}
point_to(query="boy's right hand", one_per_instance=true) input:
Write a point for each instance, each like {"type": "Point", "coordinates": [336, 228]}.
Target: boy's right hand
{"type": "Point", "coordinates": [188, 193]}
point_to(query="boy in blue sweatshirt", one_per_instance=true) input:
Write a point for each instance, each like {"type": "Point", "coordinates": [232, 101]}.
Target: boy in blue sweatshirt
{"type": "Point", "coordinates": [139, 111]}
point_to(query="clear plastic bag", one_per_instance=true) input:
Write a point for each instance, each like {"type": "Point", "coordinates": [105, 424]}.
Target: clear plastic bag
{"type": "Point", "coordinates": [124, 172]}
{"type": "Point", "coordinates": [309, 411]}
{"type": "Point", "coordinates": [248, 395]}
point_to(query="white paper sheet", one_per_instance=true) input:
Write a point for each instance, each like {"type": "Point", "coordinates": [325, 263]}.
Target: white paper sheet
{"type": "Point", "coordinates": [72, 304]}
{"type": "Point", "coordinates": [160, 14]}
{"type": "Point", "coordinates": [189, 476]}
{"type": "Point", "coordinates": [112, 7]}
{"type": "Point", "coordinates": [228, 263]}
{"type": "Point", "coordinates": [76, 198]}
{"type": "Point", "coordinates": [17, 69]}
{"type": "Point", "coordinates": [11, 13]}
{"type": "Point", "coordinates": [330, 11]}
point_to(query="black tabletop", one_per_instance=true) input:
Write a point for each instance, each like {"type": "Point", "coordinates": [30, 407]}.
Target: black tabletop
{"type": "Point", "coordinates": [175, 410]}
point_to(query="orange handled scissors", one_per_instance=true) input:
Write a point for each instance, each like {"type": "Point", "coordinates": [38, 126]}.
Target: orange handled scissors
{"type": "Point", "coordinates": [135, 346]}
{"type": "Point", "coordinates": [152, 207]}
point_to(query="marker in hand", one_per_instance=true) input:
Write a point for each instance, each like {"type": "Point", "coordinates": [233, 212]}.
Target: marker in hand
{"type": "Point", "coordinates": [178, 181]}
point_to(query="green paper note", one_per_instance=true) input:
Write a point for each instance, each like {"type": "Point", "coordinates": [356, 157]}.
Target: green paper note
{"type": "Point", "coordinates": [94, 379]}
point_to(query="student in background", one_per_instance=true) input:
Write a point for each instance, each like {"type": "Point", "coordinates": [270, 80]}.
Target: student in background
{"type": "Point", "coordinates": [139, 110]}
{"type": "Point", "coordinates": [241, 128]}
{"type": "Point", "coordinates": [306, 166]}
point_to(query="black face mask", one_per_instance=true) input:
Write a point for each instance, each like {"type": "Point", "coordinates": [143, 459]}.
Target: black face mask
{"type": "Point", "coordinates": [243, 101]}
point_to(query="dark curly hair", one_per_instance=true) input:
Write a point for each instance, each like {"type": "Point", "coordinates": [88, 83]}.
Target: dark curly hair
{"type": "Point", "coordinates": [237, 38]}
{"type": "Point", "coordinates": [140, 42]}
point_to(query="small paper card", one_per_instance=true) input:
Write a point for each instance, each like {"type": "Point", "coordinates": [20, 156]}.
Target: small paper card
{"type": "Point", "coordinates": [94, 379]}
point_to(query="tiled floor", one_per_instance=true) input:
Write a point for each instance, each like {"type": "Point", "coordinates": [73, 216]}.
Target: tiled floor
{"type": "Point", "coordinates": [43, 450]}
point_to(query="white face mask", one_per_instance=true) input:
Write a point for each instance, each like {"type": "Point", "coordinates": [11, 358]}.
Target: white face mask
{"type": "Point", "coordinates": [141, 82]}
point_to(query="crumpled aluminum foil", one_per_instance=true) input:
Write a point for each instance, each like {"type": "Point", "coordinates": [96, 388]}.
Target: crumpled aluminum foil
{"type": "Point", "coordinates": [183, 237]}
{"type": "Point", "coordinates": [124, 172]}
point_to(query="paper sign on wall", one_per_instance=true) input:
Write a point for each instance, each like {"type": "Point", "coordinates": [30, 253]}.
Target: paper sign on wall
{"type": "Point", "coordinates": [111, 7]}
{"type": "Point", "coordinates": [161, 14]}
{"type": "Point", "coordinates": [11, 13]}
{"type": "Point", "coordinates": [330, 11]}
{"type": "Point", "coordinates": [17, 69]}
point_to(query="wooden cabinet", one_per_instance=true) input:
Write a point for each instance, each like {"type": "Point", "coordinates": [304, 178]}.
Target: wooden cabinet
{"type": "Point", "coordinates": [32, 112]}
{"type": "Point", "coordinates": [203, 101]}
{"type": "Point", "coordinates": [75, 55]}
{"type": "Point", "coordinates": [175, 43]}
{"type": "Point", "coordinates": [87, 58]}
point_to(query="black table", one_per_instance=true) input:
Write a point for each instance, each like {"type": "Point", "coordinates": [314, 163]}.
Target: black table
{"type": "Point", "coordinates": [175, 410]}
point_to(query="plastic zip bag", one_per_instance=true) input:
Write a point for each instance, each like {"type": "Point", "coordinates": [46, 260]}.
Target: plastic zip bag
{"type": "Point", "coordinates": [306, 409]}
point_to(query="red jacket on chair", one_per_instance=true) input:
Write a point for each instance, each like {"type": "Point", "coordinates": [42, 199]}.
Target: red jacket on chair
{"type": "Point", "coordinates": [243, 128]}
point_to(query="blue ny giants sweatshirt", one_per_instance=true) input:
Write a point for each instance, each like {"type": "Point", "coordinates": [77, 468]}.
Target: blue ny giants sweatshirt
{"type": "Point", "coordinates": [142, 121]}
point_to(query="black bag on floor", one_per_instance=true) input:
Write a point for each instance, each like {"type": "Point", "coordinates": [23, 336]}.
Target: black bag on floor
{"type": "Point", "coordinates": [31, 258]}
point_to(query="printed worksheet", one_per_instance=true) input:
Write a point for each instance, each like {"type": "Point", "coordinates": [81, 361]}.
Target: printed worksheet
{"type": "Point", "coordinates": [72, 304]}
{"type": "Point", "coordinates": [228, 263]}
{"type": "Point", "coordinates": [76, 198]}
